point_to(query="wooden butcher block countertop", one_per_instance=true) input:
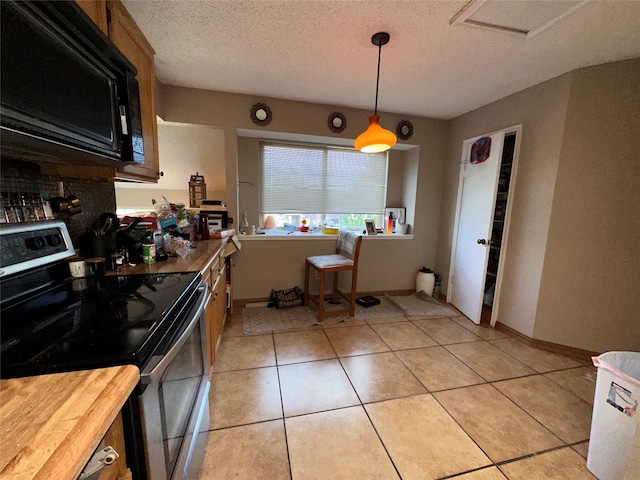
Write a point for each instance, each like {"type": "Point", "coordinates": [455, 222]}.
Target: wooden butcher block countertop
{"type": "Point", "coordinates": [51, 424]}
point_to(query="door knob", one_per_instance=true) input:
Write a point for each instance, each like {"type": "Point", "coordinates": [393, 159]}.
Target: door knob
{"type": "Point", "coordinates": [481, 241]}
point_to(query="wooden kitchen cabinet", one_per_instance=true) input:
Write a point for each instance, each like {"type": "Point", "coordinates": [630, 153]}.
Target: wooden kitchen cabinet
{"type": "Point", "coordinates": [216, 308]}
{"type": "Point", "coordinates": [116, 22]}
{"type": "Point", "coordinates": [221, 312]}
{"type": "Point", "coordinates": [125, 34]}
{"type": "Point", "coordinates": [115, 438]}
{"type": "Point", "coordinates": [97, 11]}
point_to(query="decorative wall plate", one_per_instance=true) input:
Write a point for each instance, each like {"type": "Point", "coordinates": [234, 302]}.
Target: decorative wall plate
{"type": "Point", "coordinates": [480, 150]}
{"type": "Point", "coordinates": [261, 114]}
{"type": "Point", "coordinates": [337, 122]}
{"type": "Point", "coordinates": [404, 130]}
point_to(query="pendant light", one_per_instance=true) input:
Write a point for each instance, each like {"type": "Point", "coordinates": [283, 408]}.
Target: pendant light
{"type": "Point", "coordinates": [375, 138]}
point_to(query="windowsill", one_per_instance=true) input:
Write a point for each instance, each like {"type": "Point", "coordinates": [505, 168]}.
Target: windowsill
{"type": "Point", "coordinates": [284, 235]}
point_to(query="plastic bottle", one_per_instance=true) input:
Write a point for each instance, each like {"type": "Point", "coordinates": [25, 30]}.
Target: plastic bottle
{"type": "Point", "coordinates": [390, 224]}
{"type": "Point", "coordinates": [244, 223]}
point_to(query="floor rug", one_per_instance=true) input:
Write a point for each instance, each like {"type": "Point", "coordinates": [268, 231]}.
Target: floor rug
{"type": "Point", "coordinates": [262, 319]}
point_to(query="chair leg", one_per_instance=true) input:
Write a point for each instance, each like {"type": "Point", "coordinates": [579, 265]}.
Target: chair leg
{"type": "Point", "coordinates": [321, 297]}
{"type": "Point", "coordinates": [306, 283]}
{"type": "Point", "coordinates": [354, 281]}
{"type": "Point", "coordinates": [334, 293]}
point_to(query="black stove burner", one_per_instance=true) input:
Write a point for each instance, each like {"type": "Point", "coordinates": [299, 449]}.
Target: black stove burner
{"type": "Point", "coordinates": [89, 323]}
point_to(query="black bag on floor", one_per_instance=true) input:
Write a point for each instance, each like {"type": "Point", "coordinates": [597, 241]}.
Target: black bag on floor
{"type": "Point", "coordinates": [367, 301]}
{"type": "Point", "coordinates": [291, 297]}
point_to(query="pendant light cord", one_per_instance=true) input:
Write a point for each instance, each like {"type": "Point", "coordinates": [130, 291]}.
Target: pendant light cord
{"type": "Point", "coordinates": [378, 78]}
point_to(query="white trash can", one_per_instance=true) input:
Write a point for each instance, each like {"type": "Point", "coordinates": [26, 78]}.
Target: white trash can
{"type": "Point", "coordinates": [615, 414]}
{"type": "Point", "coordinates": [425, 281]}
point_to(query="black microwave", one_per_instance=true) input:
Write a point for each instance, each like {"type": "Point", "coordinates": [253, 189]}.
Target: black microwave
{"type": "Point", "coordinates": [68, 94]}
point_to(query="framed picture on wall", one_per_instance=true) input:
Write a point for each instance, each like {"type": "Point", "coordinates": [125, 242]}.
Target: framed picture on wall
{"type": "Point", "coordinates": [370, 226]}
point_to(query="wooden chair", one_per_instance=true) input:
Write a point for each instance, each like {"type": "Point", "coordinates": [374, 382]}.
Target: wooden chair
{"type": "Point", "coordinates": [344, 260]}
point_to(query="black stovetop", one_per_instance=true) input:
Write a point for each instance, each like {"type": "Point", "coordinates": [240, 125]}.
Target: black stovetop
{"type": "Point", "coordinates": [90, 323]}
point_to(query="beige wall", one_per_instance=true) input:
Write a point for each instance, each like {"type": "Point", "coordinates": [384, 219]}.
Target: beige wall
{"type": "Point", "coordinates": [386, 264]}
{"type": "Point", "coordinates": [559, 130]}
{"type": "Point", "coordinates": [591, 272]}
{"type": "Point", "coordinates": [571, 269]}
{"type": "Point", "coordinates": [184, 150]}
{"type": "Point", "coordinates": [541, 111]}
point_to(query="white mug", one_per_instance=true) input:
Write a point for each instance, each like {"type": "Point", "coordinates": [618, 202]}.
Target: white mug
{"type": "Point", "coordinates": [251, 230]}
{"type": "Point", "coordinates": [78, 268]}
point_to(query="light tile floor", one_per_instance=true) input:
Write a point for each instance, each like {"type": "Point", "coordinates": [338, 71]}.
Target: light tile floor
{"type": "Point", "coordinates": [401, 398]}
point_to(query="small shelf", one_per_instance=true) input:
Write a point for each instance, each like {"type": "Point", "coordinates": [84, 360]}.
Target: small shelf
{"type": "Point", "coordinates": [491, 274]}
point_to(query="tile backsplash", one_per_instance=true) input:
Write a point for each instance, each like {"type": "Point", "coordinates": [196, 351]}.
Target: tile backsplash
{"type": "Point", "coordinates": [96, 195]}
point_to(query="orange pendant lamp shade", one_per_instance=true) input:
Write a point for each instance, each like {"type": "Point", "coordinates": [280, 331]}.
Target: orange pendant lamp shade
{"type": "Point", "coordinates": [375, 138]}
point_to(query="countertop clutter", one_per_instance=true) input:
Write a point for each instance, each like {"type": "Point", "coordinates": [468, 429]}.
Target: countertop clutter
{"type": "Point", "coordinates": [195, 261]}
{"type": "Point", "coordinates": [51, 424]}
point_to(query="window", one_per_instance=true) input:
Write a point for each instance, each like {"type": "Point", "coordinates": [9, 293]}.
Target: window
{"type": "Point", "coordinates": [322, 184]}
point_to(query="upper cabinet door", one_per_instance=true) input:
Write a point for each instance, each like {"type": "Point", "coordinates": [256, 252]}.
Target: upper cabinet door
{"type": "Point", "coordinates": [97, 11]}
{"type": "Point", "coordinates": [125, 34]}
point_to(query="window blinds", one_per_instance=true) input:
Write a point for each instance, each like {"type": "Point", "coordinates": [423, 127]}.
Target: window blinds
{"type": "Point", "coordinates": [325, 180]}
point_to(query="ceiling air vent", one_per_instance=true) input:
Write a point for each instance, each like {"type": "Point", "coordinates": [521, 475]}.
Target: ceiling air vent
{"type": "Point", "coordinates": [524, 18]}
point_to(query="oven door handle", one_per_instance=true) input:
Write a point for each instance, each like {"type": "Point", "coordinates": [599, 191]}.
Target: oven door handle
{"type": "Point", "coordinates": [158, 363]}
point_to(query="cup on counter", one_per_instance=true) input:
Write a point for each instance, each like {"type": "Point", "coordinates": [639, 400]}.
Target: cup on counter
{"type": "Point", "coordinates": [78, 268]}
{"type": "Point", "coordinates": [251, 230]}
{"type": "Point", "coordinates": [149, 253]}
{"type": "Point", "coordinates": [95, 267]}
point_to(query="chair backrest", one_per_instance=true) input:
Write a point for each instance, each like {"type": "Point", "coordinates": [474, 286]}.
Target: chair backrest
{"type": "Point", "coordinates": [349, 245]}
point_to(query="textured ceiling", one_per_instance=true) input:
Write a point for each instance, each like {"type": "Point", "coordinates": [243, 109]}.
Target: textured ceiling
{"type": "Point", "coordinates": [320, 51]}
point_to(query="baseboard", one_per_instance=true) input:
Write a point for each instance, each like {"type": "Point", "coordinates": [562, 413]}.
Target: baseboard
{"type": "Point", "coordinates": [391, 293]}
{"type": "Point", "coordinates": [238, 303]}
{"type": "Point", "coordinates": [548, 346]}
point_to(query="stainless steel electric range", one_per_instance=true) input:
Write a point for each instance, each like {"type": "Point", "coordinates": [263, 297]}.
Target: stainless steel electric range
{"type": "Point", "coordinates": [52, 322]}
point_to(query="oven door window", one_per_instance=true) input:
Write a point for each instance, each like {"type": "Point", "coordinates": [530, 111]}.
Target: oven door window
{"type": "Point", "coordinates": [177, 394]}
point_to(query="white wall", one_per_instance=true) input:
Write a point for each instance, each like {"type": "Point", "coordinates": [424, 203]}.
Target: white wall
{"type": "Point", "coordinates": [184, 150]}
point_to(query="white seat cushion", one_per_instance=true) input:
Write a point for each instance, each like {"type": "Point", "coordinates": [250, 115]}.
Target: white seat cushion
{"type": "Point", "coordinates": [328, 261]}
